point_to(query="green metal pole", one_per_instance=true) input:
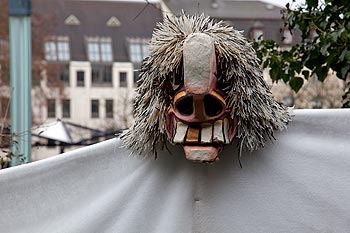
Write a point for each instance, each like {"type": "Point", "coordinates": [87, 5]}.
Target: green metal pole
{"type": "Point", "coordinates": [21, 86]}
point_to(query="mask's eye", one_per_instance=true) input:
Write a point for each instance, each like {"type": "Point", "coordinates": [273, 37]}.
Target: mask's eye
{"type": "Point", "coordinates": [185, 106]}
{"type": "Point", "coordinates": [212, 106]}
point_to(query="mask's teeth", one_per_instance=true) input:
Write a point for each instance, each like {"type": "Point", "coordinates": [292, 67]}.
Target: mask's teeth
{"type": "Point", "coordinates": [226, 131]}
{"type": "Point", "coordinates": [206, 133]}
{"type": "Point", "coordinates": [192, 135]}
{"type": "Point", "coordinates": [218, 134]}
{"type": "Point", "coordinates": [180, 132]}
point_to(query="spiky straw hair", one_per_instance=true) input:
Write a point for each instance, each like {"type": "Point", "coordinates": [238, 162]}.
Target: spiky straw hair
{"type": "Point", "coordinates": [248, 96]}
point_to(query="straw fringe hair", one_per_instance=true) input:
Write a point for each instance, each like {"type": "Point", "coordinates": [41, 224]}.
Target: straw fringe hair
{"type": "Point", "coordinates": [248, 96]}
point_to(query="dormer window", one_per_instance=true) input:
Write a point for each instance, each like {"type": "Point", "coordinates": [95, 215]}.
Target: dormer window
{"type": "Point", "coordinates": [287, 37]}
{"type": "Point", "coordinates": [72, 20]}
{"type": "Point", "coordinates": [113, 22]}
{"type": "Point", "coordinates": [99, 49]}
{"type": "Point", "coordinates": [57, 49]}
{"type": "Point", "coordinates": [257, 32]}
{"type": "Point", "coordinates": [138, 49]}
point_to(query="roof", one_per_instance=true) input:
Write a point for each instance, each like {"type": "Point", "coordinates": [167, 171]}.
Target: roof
{"type": "Point", "coordinates": [70, 133]}
{"type": "Point", "coordinates": [242, 15]}
{"type": "Point", "coordinates": [55, 131]}
{"type": "Point", "coordinates": [227, 9]}
{"type": "Point", "coordinates": [93, 16]}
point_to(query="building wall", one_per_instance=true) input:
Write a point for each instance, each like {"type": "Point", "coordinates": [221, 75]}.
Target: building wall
{"type": "Point", "coordinates": [80, 98]}
{"type": "Point", "coordinates": [43, 152]}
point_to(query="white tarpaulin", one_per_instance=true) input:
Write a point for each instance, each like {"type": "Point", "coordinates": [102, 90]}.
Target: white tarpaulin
{"type": "Point", "coordinates": [299, 183]}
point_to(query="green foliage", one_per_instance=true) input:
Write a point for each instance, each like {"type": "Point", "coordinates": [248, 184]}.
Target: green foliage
{"type": "Point", "coordinates": [324, 45]}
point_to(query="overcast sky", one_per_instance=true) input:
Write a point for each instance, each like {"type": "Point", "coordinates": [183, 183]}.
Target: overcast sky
{"type": "Point", "coordinates": [280, 3]}
{"type": "Point", "coordinates": [283, 2]}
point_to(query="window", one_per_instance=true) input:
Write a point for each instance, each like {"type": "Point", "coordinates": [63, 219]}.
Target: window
{"type": "Point", "coordinates": [95, 109]}
{"type": "Point", "coordinates": [288, 101]}
{"type": "Point", "coordinates": [135, 53]}
{"type": "Point", "coordinates": [109, 108]}
{"type": "Point", "coordinates": [57, 49]}
{"type": "Point", "coordinates": [93, 51]}
{"type": "Point", "coordinates": [99, 49]}
{"type": "Point", "coordinates": [50, 51]}
{"type": "Point", "coordinates": [57, 74]}
{"type": "Point", "coordinates": [123, 79]}
{"type": "Point", "coordinates": [106, 50]}
{"type": "Point", "coordinates": [80, 78]}
{"type": "Point", "coordinates": [95, 75]}
{"type": "Point", "coordinates": [136, 77]}
{"type": "Point", "coordinates": [257, 32]}
{"type": "Point", "coordinates": [138, 49]}
{"type": "Point", "coordinates": [51, 108]}
{"type": "Point", "coordinates": [101, 75]}
{"type": "Point", "coordinates": [63, 51]}
{"type": "Point", "coordinates": [64, 75]}
{"type": "Point", "coordinates": [66, 108]}
{"type": "Point", "coordinates": [144, 50]}
{"type": "Point", "coordinates": [287, 37]}
{"type": "Point", "coordinates": [316, 102]}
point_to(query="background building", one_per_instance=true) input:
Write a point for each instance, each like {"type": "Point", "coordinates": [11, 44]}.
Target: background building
{"type": "Point", "coordinates": [97, 46]}
{"type": "Point", "coordinates": [85, 65]}
{"type": "Point", "coordinates": [258, 19]}
{"type": "Point", "coordinates": [86, 55]}
{"type": "Point", "coordinates": [253, 18]}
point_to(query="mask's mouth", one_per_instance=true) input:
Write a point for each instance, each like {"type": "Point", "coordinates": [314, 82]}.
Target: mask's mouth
{"type": "Point", "coordinates": [202, 142]}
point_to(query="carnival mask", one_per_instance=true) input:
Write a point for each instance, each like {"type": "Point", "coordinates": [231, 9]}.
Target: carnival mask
{"type": "Point", "coordinates": [198, 118]}
{"type": "Point", "coordinates": [201, 87]}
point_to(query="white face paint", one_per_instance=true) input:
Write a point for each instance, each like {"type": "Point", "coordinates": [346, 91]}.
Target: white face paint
{"type": "Point", "coordinates": [198, 119]}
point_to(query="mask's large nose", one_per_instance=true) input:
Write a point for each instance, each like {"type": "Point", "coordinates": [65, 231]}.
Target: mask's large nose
{"type": "Point", "coordinates": [198, 101]}
{"type": "Point", "coordinates": [199, 63]}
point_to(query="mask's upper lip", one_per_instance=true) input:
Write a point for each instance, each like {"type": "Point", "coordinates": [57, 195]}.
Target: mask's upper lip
{"type": "Point", "coordinates": [196, 123]}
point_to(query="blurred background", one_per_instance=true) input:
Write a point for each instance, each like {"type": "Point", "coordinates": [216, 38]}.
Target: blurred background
{"type": "Point", "coordinates": [85, 60]}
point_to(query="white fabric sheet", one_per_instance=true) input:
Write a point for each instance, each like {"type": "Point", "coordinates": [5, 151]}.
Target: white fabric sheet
{"type": "Point", "coordinates": [300, 183]}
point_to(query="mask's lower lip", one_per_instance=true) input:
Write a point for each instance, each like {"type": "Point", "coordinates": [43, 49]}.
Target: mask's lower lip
{"type": "Point", "coordinates": [201, 153]}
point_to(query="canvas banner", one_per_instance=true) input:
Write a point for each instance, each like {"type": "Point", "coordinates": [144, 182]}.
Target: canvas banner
{"type": "Point", "coordinates": [298, 183]}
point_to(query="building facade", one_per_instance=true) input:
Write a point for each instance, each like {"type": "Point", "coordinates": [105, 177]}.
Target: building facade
{"type": "Point", "coordinates": [256, 19]}
{"type": "Point", "coordinates": [261, 20]}
{"type": "Point", "coordinates": [90, 55]}
{"type": "Point", "coordinates": [95, 48]}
